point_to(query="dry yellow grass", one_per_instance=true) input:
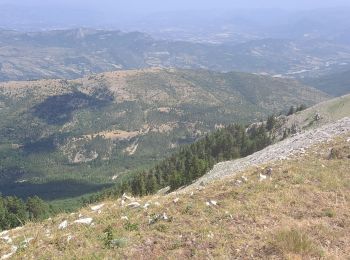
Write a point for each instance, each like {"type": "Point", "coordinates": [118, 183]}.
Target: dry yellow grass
{"type": "Point", "coordinates": [302, 212]}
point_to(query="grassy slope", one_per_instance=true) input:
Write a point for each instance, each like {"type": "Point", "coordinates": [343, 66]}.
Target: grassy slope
{"type": "Point", "coordinates": [53, 118]}
{"type": "Point", "coordinates": [301, 213]}
{"type": "Point", "coordinates": [329, 111]}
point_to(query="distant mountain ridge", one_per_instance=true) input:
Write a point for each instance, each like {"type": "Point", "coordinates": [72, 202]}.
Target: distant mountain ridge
{"type": "Point", "coordinates": [75, 53]}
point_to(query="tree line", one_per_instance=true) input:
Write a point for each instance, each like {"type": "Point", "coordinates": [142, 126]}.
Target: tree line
{"type": "Point", "coordinates": [195, 160]}
{"type": "Point", "coordinates": [15, 212]}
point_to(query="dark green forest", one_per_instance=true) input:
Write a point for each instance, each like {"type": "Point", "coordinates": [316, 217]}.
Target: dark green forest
{"type": "Point", "coordinates": [16, 212]}
{"type": "Point", "coordinates": [181, 169]}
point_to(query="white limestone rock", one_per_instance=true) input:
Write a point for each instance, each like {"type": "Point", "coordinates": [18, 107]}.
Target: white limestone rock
{"type": "Point", "coordinates": [86, 221]}
{"type": "Point", "coordinates": [63, 225]}
{"type": "Point", "coordinates": [97, 207]}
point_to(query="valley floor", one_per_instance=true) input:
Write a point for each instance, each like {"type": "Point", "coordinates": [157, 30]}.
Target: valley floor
{"type": "Point", "coordinates": [300, 209]}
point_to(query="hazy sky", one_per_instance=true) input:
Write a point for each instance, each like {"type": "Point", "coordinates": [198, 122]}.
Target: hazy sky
{"type": "Point", "coordinates": [166, 5]}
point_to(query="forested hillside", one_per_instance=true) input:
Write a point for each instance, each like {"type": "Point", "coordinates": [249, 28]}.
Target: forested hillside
{"type": "Point", "coordinates": [63, 139]}
{"type": "Point", "coordinates": [182, 168]}
{"type": "Point", "coordinates": [335, 84]}
{"type": "Point", "coordinates": [195, 160]}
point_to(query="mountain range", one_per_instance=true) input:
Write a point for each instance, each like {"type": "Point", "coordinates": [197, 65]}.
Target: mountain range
{"type": "Point", "coordinates": [74, 53]}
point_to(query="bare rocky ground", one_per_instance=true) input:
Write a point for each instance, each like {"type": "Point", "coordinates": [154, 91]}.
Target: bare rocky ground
{"type": "Point", "coordinates": [283, 150]}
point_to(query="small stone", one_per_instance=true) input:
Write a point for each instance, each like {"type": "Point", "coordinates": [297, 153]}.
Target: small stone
{"type": "Point", "coordinates": [176, 200]}
{"type": "Point", "coordinates": [146, 205]}
{"type": "Point", "coordinates": [124, 218]}
{"type": "Point", "coordinates": [213, 202]}
{"type": "Point", "coordinates": [262, 177]}
{"type": "Point", "coordinates": [69, 238]}
{"type": "Point", "coordinates": [244, 178]}
{"type": "Point", "coordinates": [165, 217]}
{"type": "Point", "coordinates": [269, 172]}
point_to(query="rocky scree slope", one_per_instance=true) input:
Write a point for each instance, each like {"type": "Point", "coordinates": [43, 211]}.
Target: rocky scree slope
{"type": "Point", "coordinates": [283, 150]}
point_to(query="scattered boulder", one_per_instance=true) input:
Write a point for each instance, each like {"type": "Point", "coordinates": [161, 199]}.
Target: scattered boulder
{"type": "Point", "coordinates": [238, 182]}
{"type": "Point", "coordinates": [155, 218]}
{"type": "Point", "coordinates": [125, 197]}
{"type": "Point", "coordinates": [124, 218]}
{"type": "Point", "coordinates": [13, 251]}
{"type": "Point", "coordinates": [97, 207]}
{"type": "Point", "coordinates": [7, 239]}
{"type": "Point", "coordinates": [317, 117]}
{"type": "Point", "coordinates": [63, 225]}
{"type": "Point", "coordinates": [176, 200]}
{"type": "Point", "coordinates": [25, 242]}
{"type": "Point", "coordinates": [164, 191]}
{"type": "Point", "coordinates": [86, 221]}
{"type": "Point", "coordinates": [134, 205]}
{"type": "Point", "coordinates": [4, 233]}
{"type": "Point", "coordinates": [146, 205]}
